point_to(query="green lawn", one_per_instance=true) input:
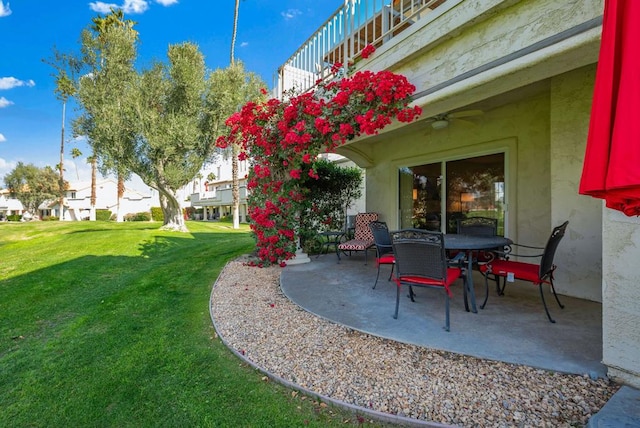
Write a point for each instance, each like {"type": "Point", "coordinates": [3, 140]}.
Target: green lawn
{"type": "Point", "coordinates": [107, 324]}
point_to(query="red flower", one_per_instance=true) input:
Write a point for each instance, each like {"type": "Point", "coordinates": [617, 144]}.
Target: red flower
{"type": "Point", "coordinates": [295, 173]}
{"type": "Point", "coordinates": [279, 137]}
{"type": "Point", "coordinates": [367, 51]}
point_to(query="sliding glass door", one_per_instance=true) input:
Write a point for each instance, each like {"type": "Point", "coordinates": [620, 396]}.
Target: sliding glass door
{"type": "Point", "coordinates": [434, 196]}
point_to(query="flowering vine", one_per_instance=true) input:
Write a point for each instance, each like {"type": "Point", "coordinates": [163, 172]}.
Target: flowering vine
{"type": "Point", "coordinates": [282, 138]}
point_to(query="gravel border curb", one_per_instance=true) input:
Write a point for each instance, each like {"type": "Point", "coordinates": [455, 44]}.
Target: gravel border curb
{"type": "Point", "coordinates": [380, 416]}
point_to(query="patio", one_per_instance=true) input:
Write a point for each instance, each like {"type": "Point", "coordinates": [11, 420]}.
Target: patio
{"type": "Point", "coordinates": [512, 328]}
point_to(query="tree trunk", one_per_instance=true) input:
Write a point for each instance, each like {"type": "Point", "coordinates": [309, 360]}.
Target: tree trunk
{"type": "Point", "coordinates": [235, 187]}
{"type": "Point", "coordinates": [171, 211]}
{"type": "Point", "coordinates": [94, 168]}
{"type": "Point", "coordinates": [234, 32]}
{"type": "Point", "coordinates": [120, 215]}
{"type": "Point", "coordinates": [62, 189]}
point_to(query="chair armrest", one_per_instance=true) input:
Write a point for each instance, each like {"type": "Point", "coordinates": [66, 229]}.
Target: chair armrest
{"type": "Point", "coordinates": [528, 246]}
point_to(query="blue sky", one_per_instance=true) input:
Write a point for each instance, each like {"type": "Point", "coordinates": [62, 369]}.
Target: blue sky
{"type": "Point", "coordinates": [269, 32]}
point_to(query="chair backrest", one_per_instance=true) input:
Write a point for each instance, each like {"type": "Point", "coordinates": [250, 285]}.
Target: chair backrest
{"type": "Point", "coordinates": [546, 264]}
{"type": "Point", "coordinates": [381, 237]}
{"type": "Point", "coordinates": [483, 226]}
{"type": "Point", "coordinates": [362, 231]}
{"type": "Point", "coordinates": [419, 253]}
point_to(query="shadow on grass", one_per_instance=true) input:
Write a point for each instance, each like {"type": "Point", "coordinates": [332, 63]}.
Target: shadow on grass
{"type": "Point", "coordinates": [128, 339]}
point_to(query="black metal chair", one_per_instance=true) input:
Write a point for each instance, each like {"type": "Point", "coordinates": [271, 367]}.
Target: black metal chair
{"type": "Point", "coordinates": [421, 262]}
{"type": "Point", "coordinates": [384, 248]}
{"type": "Point", "coordinates": [483, 226]}
{"type": "Point", "coordinates": [537, 274]}
{"type": "Point", "coordinates": [480, 226]}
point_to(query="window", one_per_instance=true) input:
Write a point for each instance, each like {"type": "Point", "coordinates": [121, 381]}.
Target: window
{"type": "Point", "coordinates": [73, 195]}
{"type": "Point", "coordinates": [449, 190]}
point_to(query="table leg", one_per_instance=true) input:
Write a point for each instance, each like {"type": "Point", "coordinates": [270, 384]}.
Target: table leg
{"type": "Point", "coordinates": [470, 288]}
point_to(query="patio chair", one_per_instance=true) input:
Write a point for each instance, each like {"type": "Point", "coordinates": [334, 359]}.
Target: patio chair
{"type": "Point", "coordinates": [480, 226]}
{"type": "Point", "coordinates": [362, 237]}
{"type": "Point", "coordinates": [484, 226]}
{"type": "Point", "coordinates": [384, 249]}
{"type": "Point", "coordinates": [537, 274]}
{"type": "Point", "coordinates": [421, 262]}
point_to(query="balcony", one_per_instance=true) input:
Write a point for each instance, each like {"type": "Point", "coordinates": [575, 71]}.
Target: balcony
{"type": "Point", "coordinates": [218, 197]}
{"type": "Point", "coordinates": [341, 39]}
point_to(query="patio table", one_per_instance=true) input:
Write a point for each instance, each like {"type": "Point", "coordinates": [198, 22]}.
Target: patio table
{"type": "Point", "coordinates": [330, 238]}
{"type": "Point", "coordinates": [468, 244]}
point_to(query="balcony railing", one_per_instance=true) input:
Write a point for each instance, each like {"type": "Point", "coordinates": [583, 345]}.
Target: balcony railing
{"type": "Point", "coordinates": [344, 35]}
{"type": "Point", "coordinates": [217, 197]}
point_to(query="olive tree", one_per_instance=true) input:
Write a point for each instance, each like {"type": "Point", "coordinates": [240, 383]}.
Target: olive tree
{"type": "Point", "coordinates": [32, 185]}
{"type": "Point", "coordinates": [160, 123]}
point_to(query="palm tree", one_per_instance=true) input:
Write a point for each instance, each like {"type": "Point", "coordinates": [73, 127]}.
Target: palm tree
{"type": "Point", "coordinates": [64, 90]}
{"type": "Point", "coordinates": [235, 187]}
{"type": "Point", "coordinates": [76, 153]}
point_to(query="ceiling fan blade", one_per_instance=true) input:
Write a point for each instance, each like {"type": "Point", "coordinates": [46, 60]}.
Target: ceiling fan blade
{"type": "Point", "coordinates": [465, 113]}
{"type": "Point", "coordinates": [464, 122]}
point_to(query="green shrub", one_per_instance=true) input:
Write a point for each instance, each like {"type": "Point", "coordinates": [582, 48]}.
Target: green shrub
{"type": "Point", "coordinates": [156, 214]}
{"type": "Point", "coordinates": [50, 218]}
{"type": "Point", "coordinates": [14, 217]}
{"type": "Point", "coordinates": [103, 215]}
{"type": "Point", "coordinates": [328, 198]}
{"type": "Point", "coordinates": [142, 216]}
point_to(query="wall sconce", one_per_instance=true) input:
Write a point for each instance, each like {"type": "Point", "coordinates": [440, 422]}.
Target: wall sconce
{"type": "Point", "coordinates": [415, 194]}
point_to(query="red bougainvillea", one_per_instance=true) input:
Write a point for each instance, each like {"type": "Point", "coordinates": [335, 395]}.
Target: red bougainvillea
{"type": "Point", "coordinates": [282, 139]}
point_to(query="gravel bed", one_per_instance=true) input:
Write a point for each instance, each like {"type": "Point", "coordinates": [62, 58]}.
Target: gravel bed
{"type": "Point", "coordinates": [254, 318]}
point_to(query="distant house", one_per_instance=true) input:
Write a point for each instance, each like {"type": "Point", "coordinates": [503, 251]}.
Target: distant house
{"type": "Point", "coordinates": [77, 201]}
{"type": "Point", "coordinates": [9, 206]}
{"type": "Point", "coordinates": [211, 191]}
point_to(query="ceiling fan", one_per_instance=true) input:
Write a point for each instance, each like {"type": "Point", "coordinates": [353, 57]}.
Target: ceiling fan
{"type": "Point", "coordinates": [441, 121]}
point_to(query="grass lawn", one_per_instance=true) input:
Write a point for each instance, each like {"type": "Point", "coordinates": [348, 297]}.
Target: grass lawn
{"type": "Point", "coordinates": [107, 324]}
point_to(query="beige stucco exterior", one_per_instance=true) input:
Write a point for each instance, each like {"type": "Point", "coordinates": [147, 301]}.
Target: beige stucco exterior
{"type": "Point", "coordinates": [530, 66]}
{"type": "Point", "coordinates": [620, 296]}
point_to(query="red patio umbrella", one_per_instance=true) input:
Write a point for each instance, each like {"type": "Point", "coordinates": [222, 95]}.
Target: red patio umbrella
{"type": "Point", "coordinates": [611, 169]}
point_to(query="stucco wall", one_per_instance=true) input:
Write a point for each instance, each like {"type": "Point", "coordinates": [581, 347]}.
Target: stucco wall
{"type": "Point", "coordinates": [472, 34]}
{"type": "Point", "coordinates": [544, 139]}
{"type": "Point", "coordinates": [580, 260]}
{"type": "Point", "coordinates": [521, 128]}
{"type": "Point", "coordinates": [621, 294]}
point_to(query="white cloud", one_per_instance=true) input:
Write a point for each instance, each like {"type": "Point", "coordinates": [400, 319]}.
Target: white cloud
{"type": "Point", "coordinates": [135, 6]}
{"type": "Point", "coordinates": [12, 82]}
{"type": "Point", "coordinates": [2, 140]}
{"type": "Point", "coordinates": [290, 13]}
{"type": "Point", "coordinates": [167, 2]}
{"type": "Point", "coordinates": [244, 44]}
{"type": "Point", "coordinates": [4, 103]}
{"type": "Point", "coordinates": [4, 10]}
{"type": "Point", "coordinates": [101, 7]}
{"type": "Point", "coordinates": [5, 168]}
{"type": "Point", "coordinates": [129, 6]}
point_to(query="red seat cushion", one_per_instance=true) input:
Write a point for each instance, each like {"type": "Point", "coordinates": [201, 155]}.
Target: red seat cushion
{"type": "Point", "coordinates": [387, 259]}
{"type": "Point", "coordinates": [524, 271]}
{"type": "Point", "coordinates": [453, 273]}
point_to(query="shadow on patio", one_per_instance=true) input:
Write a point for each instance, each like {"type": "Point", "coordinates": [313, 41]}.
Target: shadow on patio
{"type": "Point", "coordinates": [512, 328]}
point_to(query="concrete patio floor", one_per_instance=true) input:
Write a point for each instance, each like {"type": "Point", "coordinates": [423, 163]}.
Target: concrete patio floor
{"type": "Point", "coordinates": [512, 328]}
